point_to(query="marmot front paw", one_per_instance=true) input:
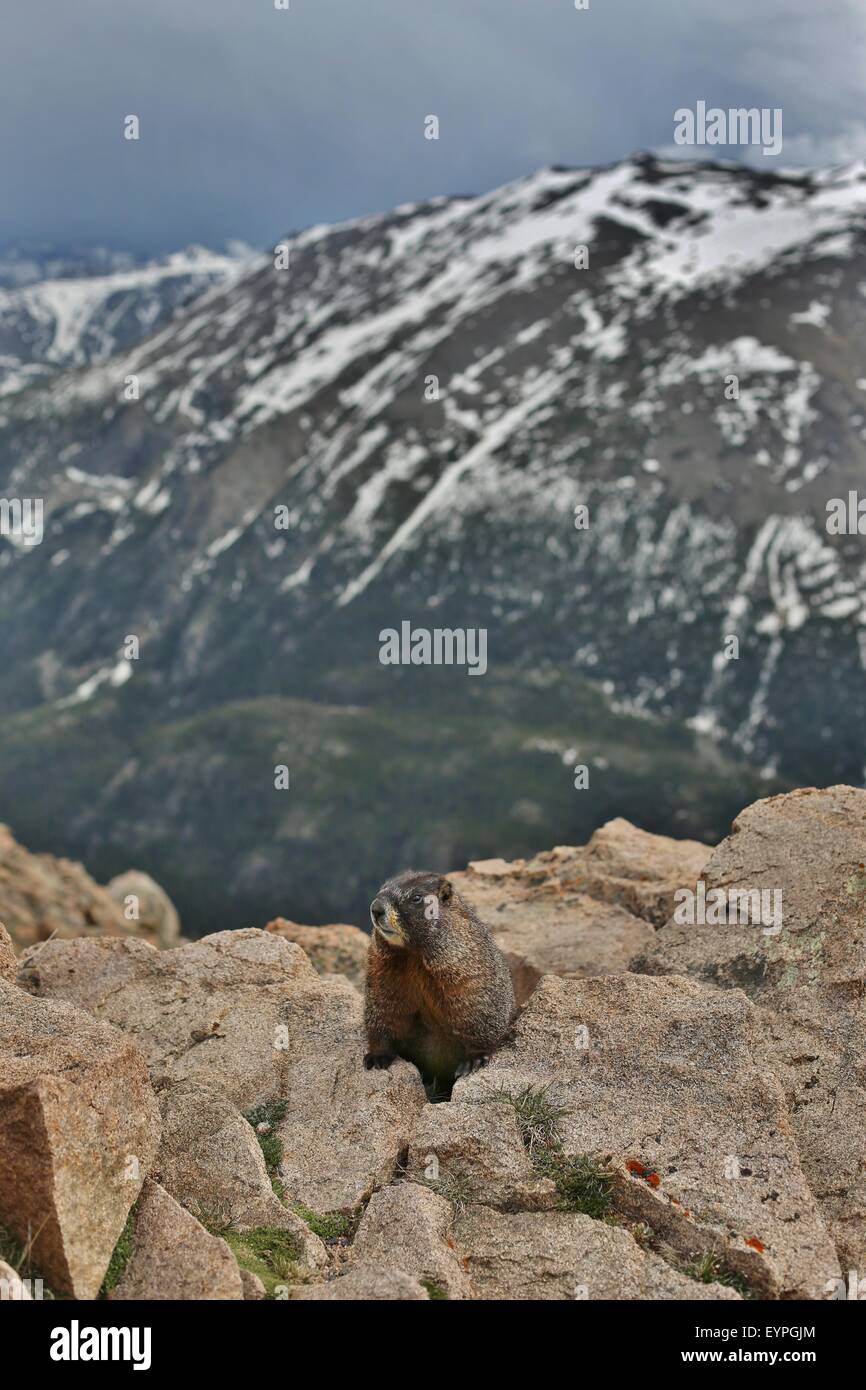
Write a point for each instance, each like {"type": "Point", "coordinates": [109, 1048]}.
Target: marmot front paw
{"type": "Point", "coordinates": [472, 1064]}
{"type": "Point", "coordinates": [378, 1061]}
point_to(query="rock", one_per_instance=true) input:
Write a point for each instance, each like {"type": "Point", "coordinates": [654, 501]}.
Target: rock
{"type": "Point", "coordinates": [409, 1229]}
{"type": "Point", "coordinates": [245, 1013]}
{"type": "Point", "coordinates": [345, 1128]}
{"type": "Point", "coordinates": [334, 950]}
{"type": "Point", "coordinates": [8, 961]}
{"type": "Point", "coordinates": [154, 912]}
{"type": "Point", "coordinates": [621, 864]}
{"type": "Point", "coordinates": [661, 1084]}
{"type": "Point", "coordinates": [212, 1163]}
{"type": "Point", "coordinates": [808, 980]}
{"type": "Point", "coordinates": [477, 1150]}
{"type": "Point", "coordinates": [79, 1127]}
{"type": "Point", "coordinates": [569, 936]}
{"type": "Point", "coordinates": [494, 869]}
{"type": "Point", "coordinates": [210, 1011]}
{"type": "Point", "coordinates": [41, 896]}
{"type": "Point", "coordinates": [12, 1287]}
{"type": "Point", "coordinates": [625, 865]}
{"type": "Point", "coordinates": [174, 1257]}
{"type": "Point", "coordinates": [557, 1255]}
{"type": "Point", "coordinates": [580, 911]}
{"type": "Point", "coordinates": [366, 1283]}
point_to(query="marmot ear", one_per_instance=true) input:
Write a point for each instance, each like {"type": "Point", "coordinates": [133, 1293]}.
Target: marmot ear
{"type": "Point", "coordinates": [446, 892]}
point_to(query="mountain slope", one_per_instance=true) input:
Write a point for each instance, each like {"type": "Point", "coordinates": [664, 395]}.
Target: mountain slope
{"type": "Point", "coordinates": [451, 502]}
{"type": "Point", "coordinates": [60, 311]}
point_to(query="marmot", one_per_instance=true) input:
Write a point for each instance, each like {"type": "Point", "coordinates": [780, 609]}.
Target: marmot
{"type": "Point", "coordinates": [439, 992]}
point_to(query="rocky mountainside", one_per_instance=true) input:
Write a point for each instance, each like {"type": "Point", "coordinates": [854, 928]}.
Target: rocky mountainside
{"type": "Point", "coordinates": [60, 310]}
{"type": "Point", "coordinates": [43, 898]}
{"type": "Point", "coordinates": [394, 420]}
{"type": "Point", "coordinates": [683, 1122]}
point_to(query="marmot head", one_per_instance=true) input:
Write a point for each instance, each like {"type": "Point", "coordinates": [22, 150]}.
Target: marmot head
{"type": "Point", "coordinates": [406, 910]}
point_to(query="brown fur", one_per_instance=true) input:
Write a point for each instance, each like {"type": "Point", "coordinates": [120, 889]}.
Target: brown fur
{"type": "Point", "coordinates": [441, 994]}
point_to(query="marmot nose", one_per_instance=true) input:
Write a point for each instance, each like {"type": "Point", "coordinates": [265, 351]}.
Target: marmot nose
{"type": "Point", "coordinates": [378, 910]}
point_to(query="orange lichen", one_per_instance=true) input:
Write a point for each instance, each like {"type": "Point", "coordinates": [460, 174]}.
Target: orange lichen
{"type": "Point", "coordinates": [755, 1244]}
{"type": "Point", "coordinates": [638, 1170]}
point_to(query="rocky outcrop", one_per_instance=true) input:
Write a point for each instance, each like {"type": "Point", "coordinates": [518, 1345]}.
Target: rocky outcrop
{"type": "Point", "coordinates": [174, 1257]}
{"type": "Point", "coordinates": [145, 904]}
{"type": "Point", "coordinates": [691, 1127]}
{"type": "Point", "coordinates": [570, 936]}
{"type": "Point", "coordinates": [246, 1014]}
{"type": "Point", "coordinates": [79, 1128]}
{"type": "Point", "coordinates": [404, 1249]}
{"type": "Point", "coordinates": [334, 950]}
{"type": "Point", "coordinates": [807, 979]}
{"type": "Point", "coordinates": [621, 864]}
{"type": "Point", "coordinates": [658, 1081]}
{"type": "Point", "coordinates": [43, 897]}
{"type": "Point", "coordinates": [579, 911]}
{"type": "Point", "coordinates": [253, 1287]}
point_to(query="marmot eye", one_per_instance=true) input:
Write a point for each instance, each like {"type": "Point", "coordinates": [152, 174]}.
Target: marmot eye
{"type": "Point", "coordinates": [417, 898]}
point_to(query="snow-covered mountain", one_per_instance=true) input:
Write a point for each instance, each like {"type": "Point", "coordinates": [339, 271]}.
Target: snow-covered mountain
{"type": "Point", "coordinates": [70, 309]}
{"type": "Point", "coordinates": [424, 398]}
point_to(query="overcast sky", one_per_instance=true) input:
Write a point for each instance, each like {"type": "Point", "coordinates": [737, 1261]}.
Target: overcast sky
{"type": "Point", "coordinates": [256, 121]}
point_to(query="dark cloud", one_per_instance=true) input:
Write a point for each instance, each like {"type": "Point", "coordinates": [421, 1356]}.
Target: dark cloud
{"type": "Point", "coordinates": [255, 121]}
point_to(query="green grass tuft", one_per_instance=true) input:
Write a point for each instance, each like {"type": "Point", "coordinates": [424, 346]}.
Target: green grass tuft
{"type": "Point", "coordinates": [272, 1150]}
{"type": "Point", "coordinates": [435, 1290]}
{"type": "Point", "coordinates": [538, 1116]}
{"type": "Point", "coordinates": [273, 1255]}
{"type": "Point", "coordinates": [709, 1269]}
{"type": "Point", "coordinates": [329, 1225]}
{"type": "Point", "coordinates": [268, 1114]}
{"type": "Point", "coordinates": [455, 1188]}
{"type": "Point", "coordinates": [120, 1254]}
{"type": "Point", "coordinates": [644, 1235]}
{"type": "Point", "coordinates": [270, 1144]}
{"type": "Point", "coordinates": [582, 1184]}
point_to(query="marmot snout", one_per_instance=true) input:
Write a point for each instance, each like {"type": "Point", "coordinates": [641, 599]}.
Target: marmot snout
{"type": "Point", "coordinates": [439, 992]}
